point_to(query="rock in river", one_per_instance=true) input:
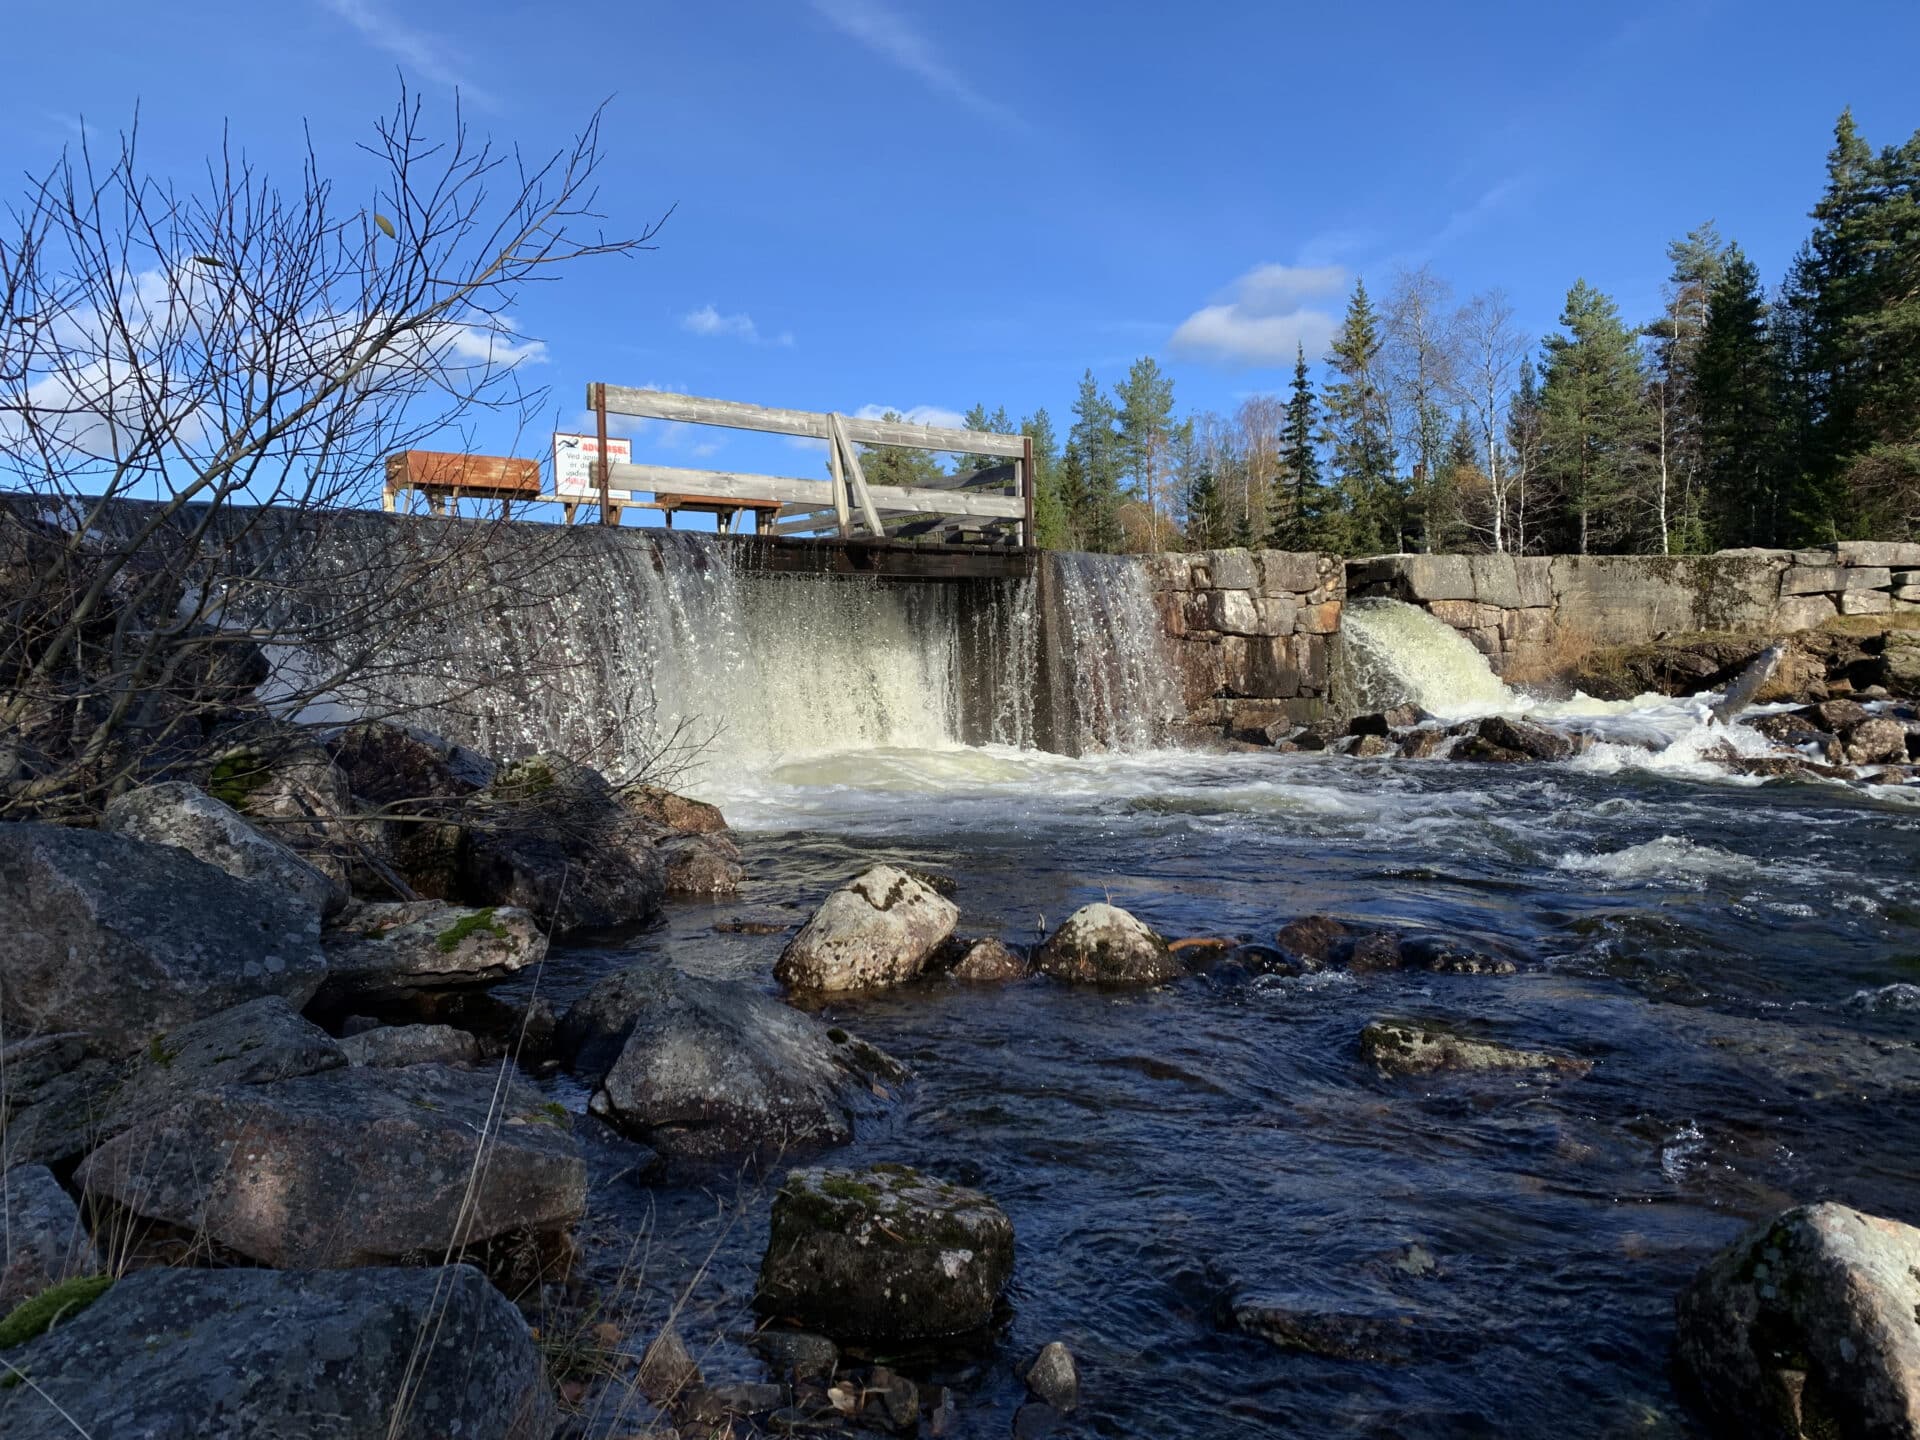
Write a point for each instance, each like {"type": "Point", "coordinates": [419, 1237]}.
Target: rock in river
{"type": "Point", "coordinates": [1406, 1047]}
{"type": "Point", "coordinates": [348, 1167]}
{"type": "Point", "coordinates": [386, 946]}
{"type": "Point", "coordinates": [176, 813]}
{"type": "Point", "coordinates": [1806, 1327]}
{"type": "Point", "coordinates": [884, 1254]}
{"type": "Point", "coordinates": [183, 1354]}
{"type": "Point", "coordinates": [878, 929]}
{"type": "Point", "coordinates": [1104, 945]}
{"type": "Point", "coordinates": [703, 1068]}
{"type": "Point", "coordinates": [128, 940]}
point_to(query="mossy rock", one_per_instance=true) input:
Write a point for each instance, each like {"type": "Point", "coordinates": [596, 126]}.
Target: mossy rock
{"type": "Point", "coordinates": [32, 1318]}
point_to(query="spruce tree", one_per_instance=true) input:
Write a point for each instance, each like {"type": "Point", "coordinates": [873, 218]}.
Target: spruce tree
{"type": "Point", "coordinates": [1594, 424]}
{"type": "Point", "coordinates": [1737, 400]}
{"type": "Point", "coordinates": [1094, 515]}
{"type": "Point", "coordinates": [1298, 521]}
{"type": "Point", "coordinates": [1361, 432]}
{"type": "Point", "coordinates": [1697, 262]}
{"type": "Point", "coordinates": [1051, 527]}
{"type": "Point", "coordinates": [1143, 405]}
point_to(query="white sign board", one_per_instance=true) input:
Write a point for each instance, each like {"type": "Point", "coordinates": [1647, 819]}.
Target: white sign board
{"type": "Point", "coordinates": [573, 457]}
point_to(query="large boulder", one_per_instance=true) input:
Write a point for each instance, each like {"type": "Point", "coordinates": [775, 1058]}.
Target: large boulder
{"type": "Point", "coordinates": [877, 929]}
{"type": "Point", "coordinates": [129, 940]}
{"type": "Point", "coordinates": [55, 1100]}
{"type": "Point", "coordinates": [704, 1068]}
{"type": "Point", "coordinates": [45, 1242]}
{"type": "Point", "coordinates": [704, 866]}
{"type": "Point", "coordinates": [1806, 1327]}
{"type": "Point", "coordinates": [289, 784]}
{"type": "Point", "coordinates": [393, 1046]}
{"type": "Point", "coordinates": [551, 836]}
{"type": "Point", "coordinates": [349, 1167]}
{"type": "Point", "coordinates": [176, 813]}
{"type": "Point", "coordinates": [884, 1254]}
{"type": "Point", "coordinates": [412, 785]}
{"type": "Point", "coordinates": [673, 812]}
{"type": "Point", "coordinates": [379, 947]}
{"type": "Point", "coordinates": [1104, 945]}
{"type": "Point", "coordinates": [181, 1354]}
{"type": "Point", "coordinates": [256, 1043]}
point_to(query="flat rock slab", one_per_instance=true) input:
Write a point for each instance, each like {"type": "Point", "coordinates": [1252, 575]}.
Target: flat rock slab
{"type": "Point", "coordinates": [256, 1043]}
{"type": "Point", "coordinates": [1104, 945]}
{"type": "Point", "coordinates": [386, 946]}
{"type": "Point", "coordinates": [348, 1167]}
{"type": "Point", "coordinates": [705, 1068]}
{"type": "Point", "coordinates": [878, 929]}
{"type": "Point", "coordinates": [178, 1354]}
{"type": "Point", "coordinates": [1806, 1326]}
{"type": "Point", "coordinates": [884, 1254]}
{"type": "Point", "coordinates": [393, 1046]}
{"type": "Point", "coordinates": [45, 1241]}
{"type": "Point", "coordinates": [129, 940]}
{"type": "Point", "coordinates": [1408, 1047]}
{"type": "Point", "coordinates": [177, 813]}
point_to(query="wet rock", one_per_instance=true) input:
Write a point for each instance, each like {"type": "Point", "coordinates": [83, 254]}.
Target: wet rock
{"type": "Point", "coordinates": [1104, 945]}
{"type": "Point", "coordinates": [744, 1397]}
{"type": "Point", "coordinates": [1423, 743]}
{"type": "Point", "coordinates": [1836, 716]}
{"type": "Point", "coordinates": [797, 1354]}
{"type": "Point", "coordinates": [418, 782]}
{"type": "Point", "coordinates": [1370, 747]}
{"type": "Point", "coordinates": [705, 1068]}
{"type": "Point", "coordinates": [1402, 1047]}
{"type": "Point", "coordinates": [551, 836]}
{"type": "Point", "coordinates": [1385, 722]}
{"type": "Point", "coordinates": [1312, 940]}
{"type": "Point", "coordinates": [1381, 1338]}
{"type": "Point", "coordinates": [253, 1044]}
{"type": "Point", "coordinates": [1319, 942]}
{"type": "Point", "coordinates": [379, 947]}
{"type": "Point", "coordinates": [418, 1354]}
{"type": "Point", "coordinates": [45, 1241]}
{"type": "Point", "coordinates": [704, 865]}
{"type": "Point", "coordinates": [1805, 1327]}
{"type": "Point", "coordinates": [669, 811]}
{"type": "Point", "coordinates": [183, 815]}
{"type": "Point", "coordinates": [1054, 1377]}
{"type": "Point", "coordinates": [884, 1254]}
{"type": "Point", "coordinates": [667, 1368]}
{"type": "Point", "coordinates": [982, 961]}
{"type": "Point", "coordinates": [878, 929]}
{"type": "Point", "coordinates": [391, 1046]}
{"type": "Point", "coordinates": [129, 940]}
{"type": "Point", "coordinates": [1536, 742]}
{"type": "Point", "coordinates": [1444, 955]}
{"type": "Point", "coordinates": [348, 1167]}
{"type": "Point", "coordinates": [1877, 741]}
{"type": "Point", "coordinates": [1789, 729]}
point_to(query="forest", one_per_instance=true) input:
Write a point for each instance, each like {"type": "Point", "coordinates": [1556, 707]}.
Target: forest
{"type": "Point", "coordinates": [1738, 416]}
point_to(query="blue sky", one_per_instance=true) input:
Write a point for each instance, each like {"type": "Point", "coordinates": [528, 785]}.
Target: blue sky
{"type": "Point", "coordinates": [917, 205]}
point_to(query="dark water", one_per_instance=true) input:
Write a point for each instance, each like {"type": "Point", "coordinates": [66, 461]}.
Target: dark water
{"type": "Point", "coordinates": [1703, 942]}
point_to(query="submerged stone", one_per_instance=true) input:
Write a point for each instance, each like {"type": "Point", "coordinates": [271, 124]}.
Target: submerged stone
{"type": "Point", "coordinates": [1402, 1047]}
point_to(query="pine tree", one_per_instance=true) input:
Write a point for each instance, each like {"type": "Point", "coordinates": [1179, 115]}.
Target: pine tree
{"type": "Point", "coordinates": [1697, 263]}
{"type": "Point", "coordinates": [1094, 513]}
{"type": "Point", "coordinates": [1143, 403]}
{"type": "Point", "coordinates": [1361, 433]}
{"type": "Point", "coordinates": [897, 465]}
{"type": "Point", "coordinates": [1298, 521]}
{"type": "Point", "coordinates": [1594, 422]}
{"type": "Point", "coordinates": [1737, 402]}
{"type": "Point", "coordinates": [1459, 504]}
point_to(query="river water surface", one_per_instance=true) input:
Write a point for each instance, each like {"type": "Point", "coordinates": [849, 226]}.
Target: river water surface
{"type": "Point", "coordinates": [1736, 960]}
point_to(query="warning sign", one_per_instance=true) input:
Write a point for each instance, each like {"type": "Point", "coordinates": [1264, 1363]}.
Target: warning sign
{"type": "Point", "coordinates": [573, 457]}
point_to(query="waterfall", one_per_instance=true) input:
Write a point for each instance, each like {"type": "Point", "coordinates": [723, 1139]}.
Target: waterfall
{"type": "Point", "coordinates": [1398, 654]}
{"type": "Point", "coordinates": [1114, 686]}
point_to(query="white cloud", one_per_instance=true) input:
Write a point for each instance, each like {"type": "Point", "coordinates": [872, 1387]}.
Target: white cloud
{"type": "Point", "coordinates": [890, 35]}
{"type": "Point", "coordinates": [708, 321]}
{"type": "Point", "coordinates": [424, 55]}
{"type": "Point", "coordinates": [1263, 317]}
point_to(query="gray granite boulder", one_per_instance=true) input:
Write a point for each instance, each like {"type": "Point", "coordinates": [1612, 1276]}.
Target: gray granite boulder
{"type": "Point", "coordinates": [703, 865]}
{"type": "Point", "coordinates": [379, 947]}
{"type": "Point", "coordinates": [392, 1046]}
{"type": "Point", "coordinates": [1103, 945]}
{"type": "Point", "coordinates": [878, 929]}
{"type": "Point", "coordinates": [55, 1101]}
{"type": "Point", "coordinates": [349, 1167]}
{"type": "Point", "coordinates": [179, 1354]}
{"type": "Point", "coordinates": [129, 940]}
{"type": "Point", "coordinates": [256, 1043]}
{"type": "Point", "coordinates": [884, 1254]}
{"type": "Point", "coordinates": [45, 1242]}
{"type": "Point", "coordinates": [176, 813]}
{"type": "Point", "coordinates": [1806, 1327]}
{"type": "Point", "coordinates": [704, 1068]}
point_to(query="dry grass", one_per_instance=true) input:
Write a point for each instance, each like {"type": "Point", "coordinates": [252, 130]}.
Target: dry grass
{"type": "Point", "coordinates": [1859, 627]}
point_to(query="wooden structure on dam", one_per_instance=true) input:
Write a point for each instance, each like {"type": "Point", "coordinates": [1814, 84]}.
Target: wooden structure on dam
{"type": "Point", "coordinates": [974, 524]}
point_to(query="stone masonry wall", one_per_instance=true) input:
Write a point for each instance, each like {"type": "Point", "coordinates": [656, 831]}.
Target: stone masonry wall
{"type": "Point", "coordinates": [1526, 613]}
{"type": "Point", "coordinates": [1252, 632]}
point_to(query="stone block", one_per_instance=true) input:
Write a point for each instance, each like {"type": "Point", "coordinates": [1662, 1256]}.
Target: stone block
{"type": "Point", "coordinates": [1461, 614]}
{"type": "Point", "coordinates": [1289, 572]}
{"type": "Point", "coordinates": [1277, 613]}
{"type": "Point", "coordinates": [1532, 627]}
{"type": "Point", "coordinates": [1815, 557]}
{"type": "Point", "coordinates": [1199, 665]}
{"type": "Point", "coordinates": [1196, 609]}
{"type": "Point", "coordinates": [1170, 571]}
{"type": "Point", "coordinates": [1813, 579]}
{"type": "Point", "coordinates": [1232, 612]}
{"type": "Point", "coordinates": [1865, 602]}
{"type": "Point", "coordinates": [1322, 619]}
{"type": "Point", "coordinates": [1486, 641]}
{"type": "Point", "coordinates": [1878, 552]}
{"type": "Point", "coordinates": [1260, 667]}
{"type": "Point", "coordinates": [1232, 570]}
{"type": "Point", "coordinates": [1173, 612]}
{"type": "Point", "coordinates": [1906, 594]}
{"type": "Point", "coordinates": [1310, 659]}
{"type": "Point", "coordinates": [1438, 577]}
{"type": "Point", "coordinates": [1496, 581]}
{"type": "Point", "coordinates": [1533, 574]}
{"type": "Point", "coordinates": [1803, 612]}
{"type": "Point", "coordinates": [1866, 577]}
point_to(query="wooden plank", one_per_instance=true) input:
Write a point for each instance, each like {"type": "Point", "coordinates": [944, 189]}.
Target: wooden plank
{"type": "Point", "coordinates": [737, 415]}
{"type": "Point", "coordinates": [840, 515]}
{"type": "Point", "coordinates": [724, 484]}
{"type": "Point", "coordinates": [855, 476]}
{"type": "Point", "coordinates": [946, 502]}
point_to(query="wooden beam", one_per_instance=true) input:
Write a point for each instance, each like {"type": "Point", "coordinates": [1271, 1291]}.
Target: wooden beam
{"type": "Point", "coordinates": [855, 476]}
{"type": "Point", "coordinates": [840, 515]}
{"type": "Point", "coordinates": [946, 502]}
{"type": "Point", "coordinates": [737, 415]}
{"type": "Point", "coordinates": [724, 484]}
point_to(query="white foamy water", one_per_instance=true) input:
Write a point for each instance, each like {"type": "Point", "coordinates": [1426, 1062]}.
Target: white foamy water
{"type": "Point", "coordinates": [1667, 857]}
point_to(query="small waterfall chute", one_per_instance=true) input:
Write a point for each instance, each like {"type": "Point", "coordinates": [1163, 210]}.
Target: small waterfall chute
{"type": "Point", "coordinates": [1399, 654]}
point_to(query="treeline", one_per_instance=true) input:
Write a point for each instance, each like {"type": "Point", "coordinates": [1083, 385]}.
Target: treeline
{"type": "Point", "coordinates": [1735, 417]}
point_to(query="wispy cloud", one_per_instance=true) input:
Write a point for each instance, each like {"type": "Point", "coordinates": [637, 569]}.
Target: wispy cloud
{"type": "Point", "coordinates": [709, 322]}
{"type": "Point", "coordinates": [1263, 316]}
{"type": "Point", "coordinates": [427, 56]}
{"type": "Point", "coordinates": [883, 30]}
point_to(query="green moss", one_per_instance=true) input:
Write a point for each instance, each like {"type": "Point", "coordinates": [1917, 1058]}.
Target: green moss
{"type": "Point", "coordinates": [235, 776]}
{"type": "Point", "coordinates": [51, 1306]}
{"type": "Point", "coordinates": [843, 1188]}
{"type": "Point", "coordinates": [837, 1035]}
{"type": "Point", "coordinates": [554, 1113]}
{"type": "Point", "coordinates": [479, 921]}
{"type": "Point", "coordinates": [158, 1052]}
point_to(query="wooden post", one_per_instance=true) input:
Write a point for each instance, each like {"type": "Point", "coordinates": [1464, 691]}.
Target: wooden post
{"type": "Point", "coordinates": [1028, 540]}
{"type": "Point", "coordinates": [835, 465]}
{"type": "Point", "coordinates": [597, 397]}
{"type": "Point", "coordinates": [859, 480]}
